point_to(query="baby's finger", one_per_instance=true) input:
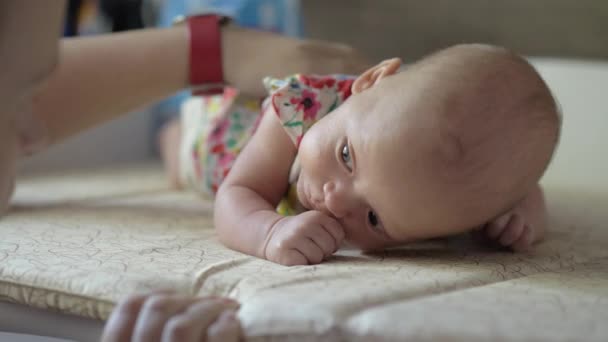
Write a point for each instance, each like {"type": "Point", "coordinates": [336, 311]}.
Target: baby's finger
{"type": "Point", "coordinates": [225, 329]}
{"type": "Point", "coordinates": [496, 226]}
{"type": "Point", "coordinates": [513, 230]}
{"type": "Point", "coordinates": [312, 252]}
{"type": "Point", "coordinates": [192, 324]}
{"type": "Point", "coordinates": [292, 257]}
{"type": "Point", "coordinates": [324, 240]}
{"type": "Point", "coordinates": [524, 242]}
{"type": "Point", "coordinates": [121, 323]}
{"type": "Point", "coordinates": [154, 314]}
{"type": "Point", "coordinates": [334, 228]}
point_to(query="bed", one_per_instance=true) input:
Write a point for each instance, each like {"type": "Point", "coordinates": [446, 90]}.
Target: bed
{"type": "Point", "coordinates": [76, 242]}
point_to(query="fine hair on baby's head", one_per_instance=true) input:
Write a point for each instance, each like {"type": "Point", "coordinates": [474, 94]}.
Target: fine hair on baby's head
{"type": "Point", "coordinates": [497, 124]}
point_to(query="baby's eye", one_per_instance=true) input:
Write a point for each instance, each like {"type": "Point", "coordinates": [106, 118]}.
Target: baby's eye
{"type": "Point", "coordinates": [345, 155]}
{"type": "Point", "coordinates": [372, 218]}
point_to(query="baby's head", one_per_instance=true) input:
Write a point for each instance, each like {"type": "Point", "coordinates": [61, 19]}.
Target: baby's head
{"type": "Point", "coordinates": [437, 149]}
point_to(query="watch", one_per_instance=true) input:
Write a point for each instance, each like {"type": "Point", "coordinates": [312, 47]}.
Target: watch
{"type": "Point", "coordinates": [205, 57]}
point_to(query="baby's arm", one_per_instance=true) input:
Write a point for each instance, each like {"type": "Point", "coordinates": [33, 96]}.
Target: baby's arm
{"type": "Point", "coordinates": [523, 225]}
{"type": "Point", "coordinates": [245, 216]}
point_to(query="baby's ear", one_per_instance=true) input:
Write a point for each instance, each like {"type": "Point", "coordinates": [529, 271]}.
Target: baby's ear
{"type": "Point", "coordinates": [372, 76]}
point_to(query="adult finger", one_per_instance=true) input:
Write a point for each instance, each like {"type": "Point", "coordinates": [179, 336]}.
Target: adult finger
{"type": "Point", "coordinates": [119, 326]}
{"type": "Point", "coordinates": [154, 314]}
{"type": "Point", "coordinates": [192, 324]}
{"type": "Point", "coordinates": [225, 329]}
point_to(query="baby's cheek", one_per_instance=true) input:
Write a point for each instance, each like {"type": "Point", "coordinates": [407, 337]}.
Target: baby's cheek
{"type": "Point", "coordinates": [309, 152]}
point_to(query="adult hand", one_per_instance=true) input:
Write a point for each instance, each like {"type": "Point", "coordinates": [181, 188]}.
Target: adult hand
{"type": "Point", "coordinates": [250, 55]}
{"type": "Point", "coordinates": [162, 316]}
{"type": "Point", "coordinates": [29, 50]}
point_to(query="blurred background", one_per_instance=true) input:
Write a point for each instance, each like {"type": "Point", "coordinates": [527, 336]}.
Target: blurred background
{"type": "Point", "coordinates": [576, 30]}
{"type": "Point", "coordinates": [412, 28]}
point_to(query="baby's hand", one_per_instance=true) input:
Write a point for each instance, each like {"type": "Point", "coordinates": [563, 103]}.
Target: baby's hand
{"type": "Point", "coordinates": [163, 316]}
{"type": "Point", "coordinates": [521, 226]}
{"type": "Point", "coordinates": [305, 239]}
{"type": "Point", "coordinates": [510, 230]}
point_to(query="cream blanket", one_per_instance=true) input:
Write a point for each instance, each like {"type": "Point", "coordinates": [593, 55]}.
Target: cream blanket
{"type": "Point", "coordinates": [79, 242]}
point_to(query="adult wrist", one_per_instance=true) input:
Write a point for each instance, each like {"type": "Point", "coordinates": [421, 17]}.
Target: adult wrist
{"type": "Point", "coordinates": [206, 70]}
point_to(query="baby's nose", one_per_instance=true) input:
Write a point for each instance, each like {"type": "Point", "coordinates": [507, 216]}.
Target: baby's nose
{"type": "Point", "coordinates": [338, 199]}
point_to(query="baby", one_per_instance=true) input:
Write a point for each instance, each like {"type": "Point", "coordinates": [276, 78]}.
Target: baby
{"type": "Point", "coordinates": [455, 142]}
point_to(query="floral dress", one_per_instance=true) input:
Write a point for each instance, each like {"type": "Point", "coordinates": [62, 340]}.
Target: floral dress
{"type": "Point", "coordinates": [216, 128]}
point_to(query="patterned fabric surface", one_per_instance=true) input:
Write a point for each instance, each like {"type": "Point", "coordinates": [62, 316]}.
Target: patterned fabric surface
{"type": "Point", "coordinates": [77, 243]}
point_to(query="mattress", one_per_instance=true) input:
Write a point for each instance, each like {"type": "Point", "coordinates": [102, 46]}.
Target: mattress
{"type": "Point", "coordinates": [77, 242]}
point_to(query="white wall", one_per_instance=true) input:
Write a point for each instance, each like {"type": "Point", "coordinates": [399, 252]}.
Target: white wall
{"type": "Point", "coordinates": [581, 87]}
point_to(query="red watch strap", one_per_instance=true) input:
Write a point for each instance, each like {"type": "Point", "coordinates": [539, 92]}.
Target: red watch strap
{"type": "Point", "coordinates": [206, 72]}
